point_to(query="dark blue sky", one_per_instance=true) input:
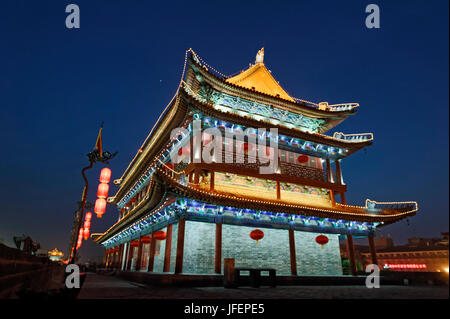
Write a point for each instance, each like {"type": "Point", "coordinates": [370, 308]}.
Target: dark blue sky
{"type": "Point", "coordinates": [124, 63]}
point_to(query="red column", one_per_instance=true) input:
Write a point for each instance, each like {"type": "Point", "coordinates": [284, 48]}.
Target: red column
{"type": "Point", "coordinates": [125, 262]}
{"type": "Point", "coordinates": [168, 248]}
{"type": "Point", "coordinates": [338, 172]}
{"type": "Point", "coordinates": [116, 257]}
{"type": "Point", "coordinates": [180, 246]}
{"type": "Point", "coordinates": [351, 254]}
{"type": "Point", "coordinates": [211, 181]}
{"type": "Point", "coordinates": [139, 256]}
{"type": "Point", "coordinates": [373, 250]}
{"type": "Point", "coordinates": [121, 250]}
{"type": "Point", "coordinates": [151, 260]}
{"type": "Point", "coordinates": [278, 190]}
{"type": "Point", "coordinates": [343, 201]}
{"type": "Point", "coordinates": [329, 171]}
{"type": "Point", "coordinates": [292, 254]}
{"type": "Point", "coordinates": [130, 256]}
{"type": "Point", "coordinates": [218, 255]}
{"type": "Point", "coordinates": [196, 176]}
{"type": "Point", "coordinates": [329, 174]}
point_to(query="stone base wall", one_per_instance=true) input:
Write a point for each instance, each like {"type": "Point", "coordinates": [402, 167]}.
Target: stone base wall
{"type": "Point", "coordinates": [272, 251]}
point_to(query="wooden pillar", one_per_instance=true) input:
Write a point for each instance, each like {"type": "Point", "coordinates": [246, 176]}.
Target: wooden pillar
{"type": "Point", "coordinates": [196, 176]}
{"type": "Point", "coordinates": [168, 248]}
{"type": "Point", "coordinates": [119, 260]}
{"type": "Point", "coordinates": [278, 190]}
{"type": "Point", "coordinates": [180, 246]}
{"type": "Point", "coordinates": [329, 171]}
{"type": "Point", "coordinates": [127, 251]}
{"type": "Point", "coordinates": [113, 260]}
{"type": "Point", "coordinates": [218, 255]}
{"type": "Point", "coordinates": [191, 174]}
{"type": "Point", "coordinates": [292, 252]}
{"type": "Point", "coordinates": [329, 180]}
{"type": "Point", "coordinates": [130, 255]}
{"type": "Point", "coordinates": [373, 250]}
{"type": "Point", "coordinates": [351, 254]}
{"type": "Point", "coordinates": [139, 255]}
{"type": "Point", "coordinates": [211, 181]}
{"type": "Point", "coordinates": [125, 257]}
{"type": "Point", "coordinates": [333, 198]}
{"type": "Point", "coordinates": [191, 151]}
{"type": "Point", "coordinates": [338, 172]}
{"type": "Point", "coordinates": [343, 201]}
{"type": "Point", "coordinates": [151, 260]}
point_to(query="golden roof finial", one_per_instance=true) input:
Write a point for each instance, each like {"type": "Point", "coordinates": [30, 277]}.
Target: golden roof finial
{"type": "Point", "coordinates": [260, 56]}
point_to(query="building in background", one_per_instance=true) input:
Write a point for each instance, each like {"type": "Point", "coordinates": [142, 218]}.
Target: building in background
{"type": "Point", "coordinates": [179, 212]}
{"type": "Point", "coordinates": [26, 244]}
{"type": "Point", "coordinates": [418, 255]}
{"type": "Point", "coordinates": [42, 253]}
{"type": "Point", "coordinates": [55, 255]}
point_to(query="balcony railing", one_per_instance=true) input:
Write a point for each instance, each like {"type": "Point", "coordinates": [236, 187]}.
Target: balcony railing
{"type": "Point", "coordinates": [251, 162]}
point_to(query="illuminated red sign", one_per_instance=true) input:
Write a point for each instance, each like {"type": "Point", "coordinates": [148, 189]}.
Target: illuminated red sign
{"type": "Point", "coordinates": [405, 266]}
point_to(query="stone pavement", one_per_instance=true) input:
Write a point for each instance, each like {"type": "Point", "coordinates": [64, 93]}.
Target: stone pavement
{"type": "Point", "coordinates": [110, 287]}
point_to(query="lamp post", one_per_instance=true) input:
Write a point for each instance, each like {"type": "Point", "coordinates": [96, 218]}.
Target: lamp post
{"type": "Point", "coordinates": [93, 157]}
{"type": "Point", "coordinates": [77, 219]}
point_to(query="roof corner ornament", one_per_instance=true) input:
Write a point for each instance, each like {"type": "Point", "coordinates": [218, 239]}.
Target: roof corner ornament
{"type": "Point", "coordinates": [260, 56]}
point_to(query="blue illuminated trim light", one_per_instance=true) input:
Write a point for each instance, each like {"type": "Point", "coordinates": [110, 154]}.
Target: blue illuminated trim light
{"type": "Point", "coordinates": [194, 210]}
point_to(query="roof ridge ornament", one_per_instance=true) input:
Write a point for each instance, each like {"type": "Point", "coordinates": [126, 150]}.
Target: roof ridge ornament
{"type": "Point", "coordinates": [260, 56]}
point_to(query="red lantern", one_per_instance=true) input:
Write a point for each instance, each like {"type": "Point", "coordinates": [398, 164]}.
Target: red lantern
{"type": "Point", "coordinates": [247, 147]}
{"type": "Point", "coordinates": [100, 207]}
{"type": "Point", "coordinates": [80, 238]}
{"type": "Point", "coordinates": [87, 224]}
{"type": "Point", "coordinates": [86, 233]}
{"type": "Point", "coordinates": [122, 210]}
{"type": "Point", "coordinates": [322, 240]}
{"type": "Point", "coordinates": [257, 235]}
{"type": "Point", "coordinates": [134, 243]}
{"type": "Point", "coordinates": [105, 175]}
{"type": "Point", "coordinates": [133, 200]}
{"type": "Point", "coordinates": [183, 150]}
{"type": "Point", "coordinates": [146, 239]}
{"type": "Point", "coordinates": [88, 216]}
{"type": "Point", "coordinates": [302, 159]}
{"type": "Point", "coordinates": [159, 235]}
{"type": "Point", "coordinates": [102, 191]}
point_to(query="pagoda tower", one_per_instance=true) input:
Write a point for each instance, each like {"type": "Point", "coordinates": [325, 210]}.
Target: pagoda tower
{"type": "Point", "coordinates": [237, 168]}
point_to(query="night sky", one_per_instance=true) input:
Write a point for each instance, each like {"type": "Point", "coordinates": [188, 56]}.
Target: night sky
{"type": "Point", "coordinates": [123, 65]}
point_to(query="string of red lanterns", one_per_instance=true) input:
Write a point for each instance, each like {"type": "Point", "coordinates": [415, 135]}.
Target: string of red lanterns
{"type": "Point", "coordinates": [87, 225]}
{"type": "Point", "coordinates": [80, 238]}
{"type": "Point", "coordinates": [102, 192]}
{"type": "Point", "coordinates": [100, 205]}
